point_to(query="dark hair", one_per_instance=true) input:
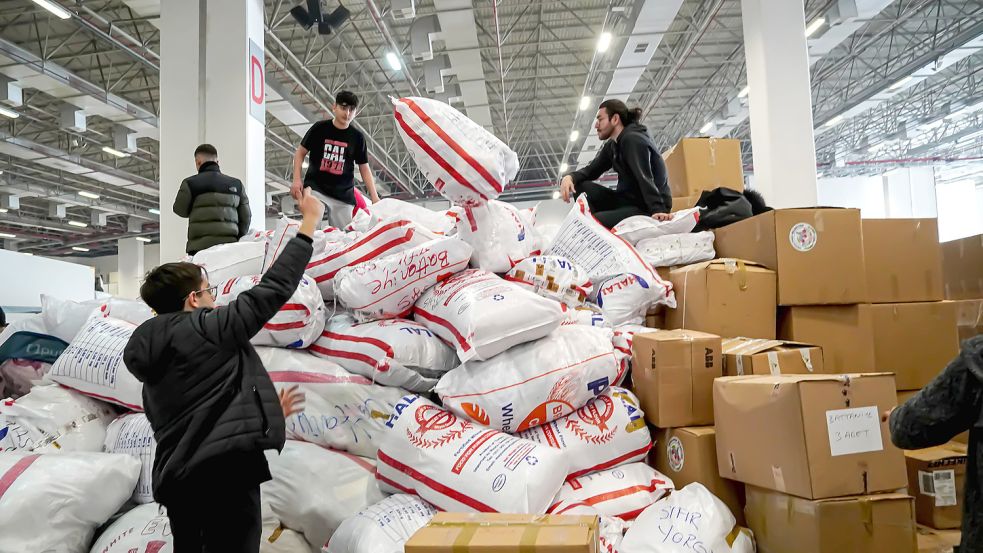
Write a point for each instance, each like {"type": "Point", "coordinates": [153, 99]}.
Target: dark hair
{"type": "Point", "coordinates": [165, 288]}
{"type": "Point", "coordinates": [3, 318]}
{"type": "Point", "coordinates": [347, 98]}
{"type": "Point", "coordinates": [206, 150]}
{"type": "Point", "coordinates": [617, 107]}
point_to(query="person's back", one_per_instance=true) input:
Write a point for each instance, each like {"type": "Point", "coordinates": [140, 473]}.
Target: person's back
{"type": "Point", "coordinates": [950, 404]}
{"type": "Point", "coordinates": [215, 204]}
{"type": "Point", "coordinates": [208, 397]}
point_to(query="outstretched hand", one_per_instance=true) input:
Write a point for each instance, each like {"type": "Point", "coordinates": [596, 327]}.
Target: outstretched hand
{"type": "Point", "coordinates": [292, 401]}
{"type": "Point", "coordinates": [662, 216]}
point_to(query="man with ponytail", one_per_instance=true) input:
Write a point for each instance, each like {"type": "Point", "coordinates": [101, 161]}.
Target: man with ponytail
{"type": "Point", "coordinates": [643, 188]}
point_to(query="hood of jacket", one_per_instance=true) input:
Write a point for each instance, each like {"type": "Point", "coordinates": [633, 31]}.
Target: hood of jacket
{"type": "Point", "coordinates": [149, 350]}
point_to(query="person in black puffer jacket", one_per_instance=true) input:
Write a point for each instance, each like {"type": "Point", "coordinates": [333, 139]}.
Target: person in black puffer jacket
{"type": "Point", "coordinates": [208, 397]}
{"type": "Point", "coordinates": [215, 204]}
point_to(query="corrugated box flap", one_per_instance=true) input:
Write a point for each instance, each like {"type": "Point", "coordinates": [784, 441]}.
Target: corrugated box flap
{"type": "Point", "coordinates": [797, 378]}
{"type": "Point", "coordinates": [751, 346]}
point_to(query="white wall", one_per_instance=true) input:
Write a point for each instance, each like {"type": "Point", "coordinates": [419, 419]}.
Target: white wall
{"type": "Point", "coordinates": [25, 277]}
{"type": "Point", "coordinates": [110, 263]}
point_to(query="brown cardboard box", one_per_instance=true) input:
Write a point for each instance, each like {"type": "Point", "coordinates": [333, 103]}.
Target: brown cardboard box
{"type": "Point", "coordinates": [697, 164]}
{"type": "Point", "coordinates": [672, 375]}
{"type": "Point", "coordinates": [936, 479]}
{"type": "Point", "coordinates": [844, 332]}
{"type": "Point", "coordinates": [684, 202]}
{"type": "Point", "coordinates": [813, 436]}
{"type": "Point", "coordinates": [743, 356]}
{"type": "Point", "coordinates": [726, 297]}
{"type": "Point", "coordinates": [915, 341]}
{"type": "Point", "coordinates": [818, 253]}
{"type": "Point", "coordinates": [688, 455]}
{"type": "Point", "coordinates": [962, 268]}
{"type": "Point", "coordinates": [937, 541]}
{"type": "Point", "coordinates": [866, 524]}
{"type": "Point", "coordinates": [655, 319]}
{"type": "Point", "coordinates": [969, 318]}
{"type": "Point", "coordinates": [904, 396]}
{"type": "Point", "coordinates": [903, 260]}
{"type": "Point", "coordinates": [496, 532]}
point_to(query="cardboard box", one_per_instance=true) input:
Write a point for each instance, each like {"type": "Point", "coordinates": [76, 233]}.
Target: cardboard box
{"type": "Point", "coordinates": [672, 375]}
{"type": "Point", "coordinates": [844, 332]}
{"type": "Point", "coordinates": [813, 436]}
{"type": "Point", "coordinates": [744, 356]}
{"type": "Point", "coordinates": [656, 319]}
{"type": "Point", "coordinates": [969, 318]}
{"type": "Point", "coordinates": [936, 479]}
{"type": "Point", "coordinates": [726, 297]}
{"type": "Point", "coordinates": [684, 202]}
{"type": "Point", "coordinates": [697, 164]}
{"type": "Point", "coordinates": [962, 268]}
{"type": "Point", "coordinates": [915, 341]}
{"type": "Point", "coordinates": [496, 532]}
{"type": "Point", "coordinates": [903, 260]}
{"type": "Point", "coordinates": [688, 455]}
{"type": "Point", "coordinates": [866, 524]}
{"type": "Point", "coordinates": [818, 253]}
{"type": "Point", "coordinates": [904, 396]}
{"type": "Point", "coordinates": [937, 541]}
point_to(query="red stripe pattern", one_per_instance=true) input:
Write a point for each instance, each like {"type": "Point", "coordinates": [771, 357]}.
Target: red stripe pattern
{"type": "Point", "coordinates": [14, 472]}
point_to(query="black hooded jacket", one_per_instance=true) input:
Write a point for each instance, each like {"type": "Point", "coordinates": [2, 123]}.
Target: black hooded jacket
{"type": "Point", "coordinates": [206, 392]}
{"type": "Point", "coordinates": [950, 404]}
{"type": "Point", "coordinates": [642, 176]}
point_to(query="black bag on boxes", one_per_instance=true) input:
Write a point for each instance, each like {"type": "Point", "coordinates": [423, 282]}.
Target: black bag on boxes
{"type": "Point", "coordinates": [723, 206]}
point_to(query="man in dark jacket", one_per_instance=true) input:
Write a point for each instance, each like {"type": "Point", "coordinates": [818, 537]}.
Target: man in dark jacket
{"type": "Point", "coordinates": [209, 400]}
{"type": "Point", "coordinates": [216, 205]}
{"type": "Point", "coordinates": [950, 404]}
{"type": "Point", "coordinates": [643, 187]}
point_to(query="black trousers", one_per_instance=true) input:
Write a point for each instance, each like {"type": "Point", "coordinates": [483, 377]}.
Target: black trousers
{"type": "Point", "coordinates": [607, 206]}
{"type": "Point", "coordinates": [216, 520]}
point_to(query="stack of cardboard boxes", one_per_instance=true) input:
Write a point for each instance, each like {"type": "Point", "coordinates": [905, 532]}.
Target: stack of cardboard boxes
{"type": "Point", "coordinates": [695, 165]}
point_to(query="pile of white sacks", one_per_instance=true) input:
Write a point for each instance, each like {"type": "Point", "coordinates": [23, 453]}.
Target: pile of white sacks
{"type": "Point", "coordinates": [457, 361]}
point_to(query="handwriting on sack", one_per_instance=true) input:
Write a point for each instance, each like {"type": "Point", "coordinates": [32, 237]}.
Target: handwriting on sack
{"type": "Point", "coordinates": [412, 265]}
{"type": "Point", "coordinates": [681, 527]}
{"type": "Point", "coordinates": [351, 420]}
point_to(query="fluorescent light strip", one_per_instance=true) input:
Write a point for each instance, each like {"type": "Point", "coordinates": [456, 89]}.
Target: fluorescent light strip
{"type": "Point", "coordinates": [155, 211]}
{"type": "Point", "coordinates": [393, 61]}
{"type": "Point", "coordinates": [584, 103]}
{"type": "Point", "coordinates": [5, 235]}
{"type": "Point", "coordinates": [90, 195]}
{"type": "Point", "coordinates": [744, 91]}
{"type": "Point", "coordinates": [706, 128]}
{"type": "Point", "coordinates": [3, 209]}
{"type": "Point", "coordinates": [834, 121]}
{"type": "Point", "coordinates": [143, 239]}
{"type": "Point", "coordinates": [78, 224]}
{"type": "Point", "coordinates": [814, 26]}
{"type": "Point", "coordinates": [9, 113]}
{"type": "Point", "coordinates": [901, 83]}
{"type": "Point", "coordinates": [55, 9]}
{"type": "Point", "coordinates": [114, 152]}
{"type": "Point", "coordinates": [564, 167]}
{"type": "Point", "coordinates": [574, 136]}
{"type": "Point", "coordinates": [603, 42]}
{"type": "Point", "coordinates": [80, 249]}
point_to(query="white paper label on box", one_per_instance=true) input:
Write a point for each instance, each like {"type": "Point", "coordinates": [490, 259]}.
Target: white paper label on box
{"type": "Point", "coordinates": [803, 237]}
{"type": "Point", "coordinates": [945, 487]}
{"type": "Point", "coordinates": [856, 430]}
{"type": "Point", "coordinates": [773, 366]}
{"type": "Point", "coordinates": [806, 358]}
{"type": "Point", "coordinates": [779, 477]}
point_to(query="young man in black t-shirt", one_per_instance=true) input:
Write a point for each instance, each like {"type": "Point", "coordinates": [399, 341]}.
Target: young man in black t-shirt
{"type": "Point", "coordinates": [334, 148]}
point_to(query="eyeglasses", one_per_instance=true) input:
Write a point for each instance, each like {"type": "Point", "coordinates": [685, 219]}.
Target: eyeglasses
{"type": "Point", "coordinates": [211, 291]}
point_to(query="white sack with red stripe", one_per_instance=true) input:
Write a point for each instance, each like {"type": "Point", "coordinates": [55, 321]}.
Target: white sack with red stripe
{"type": "Point", "coordinates": [621, 492]}
{"type": "Point", "coordinates": [640, 227]}
{"type": "Point", "coordinates": [132, 435]}
{"type": "Point", "coordinates": [228, 261]}
{"type": "Point", "coordinates": [463, 161]}
{"type": "Point", "coordinates": [314, 489]}
{"type": "Point", "coordinates": [601, 254]}
{"type": "Point", "coordinates": [287, 228]}
{"type": "Point", "coordinates": [53, 418]}
{"type": "Point", "coordinates": [93, 364]}
{"type": "Point", "coordinates": [607, 432]}
{"type": "Point", "coordinates": [142, 529]}
{"type": "Point", "coordinates": [436, 221]}
{"type": "Point", "coordinates": [460, 466]}
{"type": "Point", "coordinates": [386, 238]}
{"type": "Point", "coordinates": [387, 287]}
{"type": "Point", "coordinates": [500, 234]}
{"type": "Point", "coordinates": [18, 376]}
{"type": "Point", "coordinates": [342, 411]}
{"type": "Point", "coordinates": [623, 336]}
{"type": "Point", "coordinates": [552, 277]}
{"type": "Point", "coordinates": [383, 527]}
{"type": "Point", "coordinates": [625, 299]}
{"type": "Point", "coordinates": [64, 319]}
{"type": "Point", "coordinates": [483, 315]}
{"type": "Point", "coordinates": [393, 352]}
{"type": "Point", "coordinates": [677, 249]}
{"type": "Point", "coordinates": [55, 502]}
{"type": "Point", "coordinates": [587, 315]}
{"type": "Point", "coordinates": [296, 325]}
{"type": "Point", "coordinates": [258, 236]}
{"type": "Point", "coordinates": [690, 519]}
{"type": "Point", "coordinates": [534, 383]}
{"type": "Point", "coordinates": [611, 530]}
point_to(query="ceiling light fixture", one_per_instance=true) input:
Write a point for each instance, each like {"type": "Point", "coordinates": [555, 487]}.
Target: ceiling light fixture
{"type": "Point", "coordinates": [564, 167]}
{"type": "Point", "coordinates": [143, 239]}
{"type": "Point", "coordinates": [154, 210]}
{"type": "Point", "coordinates": [89, 195]}
{"type": "Point", "coordinates": [80, 249]}
{"type": "Point", "coordinates": [815, 26]}
{"type": "Point", "coordinates": [574, 136]}
{"type": "Point", "coordinates": [744, 91]}
{"type": "Point", "coordinates": [393, 60]}
{"type": "Point", "coordinates": [556, 195]}
{"type": "Point", "coordinates": [55, 9]}
{"type": "Point", "coordinates": [6, 235]}
{"type": "Point", "coordinates": [584, 103]}
{"type": "Point", "coordinates": [9, 113]}
{"type": "Point", "coordinates": [834, 121]}
{"type": "Point", "coordinates": [901, 83]}
{"type": "Point", "coordinates": [114, 152]}
{"type": "Point", "coordinates": [706, 128]}
{"type": "Point", "coordinates": [603, 42]}
{"type": "Point", "coordinates": [78, 224]}
{"type": "Point", "coordinates": [3, 209]}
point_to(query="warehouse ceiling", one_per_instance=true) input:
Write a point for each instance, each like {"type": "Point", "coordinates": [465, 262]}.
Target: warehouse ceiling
{"type": "Point", "coordinates": [896, 84]}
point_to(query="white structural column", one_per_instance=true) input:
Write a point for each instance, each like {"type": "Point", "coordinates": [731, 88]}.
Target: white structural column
{"type": "Point", "coordinates": [780, 101]}
{"type": "Point", "coordinates": [131, 268]}
{"type": "Point", "coordinates": [212, 90]}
